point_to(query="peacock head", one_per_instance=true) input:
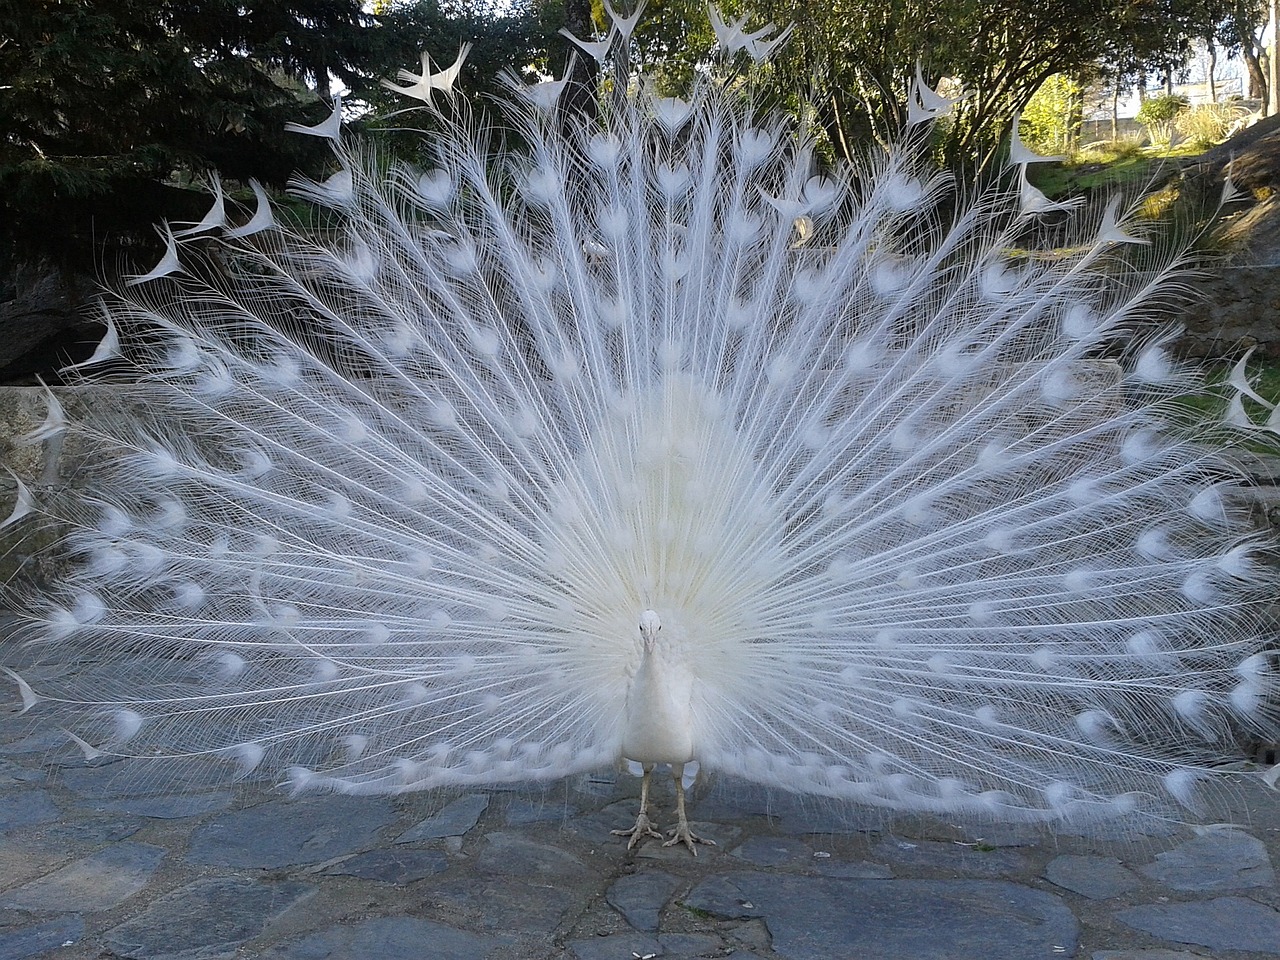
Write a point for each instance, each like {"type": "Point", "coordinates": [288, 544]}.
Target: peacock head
{"type": "Point", "coordinates": [650, 625]}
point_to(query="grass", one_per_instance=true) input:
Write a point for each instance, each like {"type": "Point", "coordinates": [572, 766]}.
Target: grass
{"type": "Point", "coordinates": [1268, 381]}
{"type": "Point", "coordinates": [697, 911]}
{"type": "Point", "coordinates": [1263, 377]}
{"type": "Point", "coordinates": [1115, 165]}
{"type": "Point", "coordinates": [1208, 406]}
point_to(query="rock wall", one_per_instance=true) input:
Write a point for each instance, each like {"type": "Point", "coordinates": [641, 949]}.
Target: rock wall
{"type": "Point", "coordinates": [1236, 307]}
{"type": "Point", "coordinates": [44, 319]}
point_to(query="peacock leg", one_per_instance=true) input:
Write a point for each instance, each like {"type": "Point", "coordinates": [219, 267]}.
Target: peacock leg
{"type": "Point", "coordinates": [643, 827]}
{"type": "Point", "coordinates": [682, 833]}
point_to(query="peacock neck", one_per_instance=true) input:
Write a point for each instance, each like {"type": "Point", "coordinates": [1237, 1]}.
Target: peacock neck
{"type": "Point", "coordinates": [658, 713]}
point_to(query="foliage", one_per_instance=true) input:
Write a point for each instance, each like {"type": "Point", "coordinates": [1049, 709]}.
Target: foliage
{"type": "Point", "coordinates": [1099, 169]}
{"type": "Point", "coordinates": [104, 99]}
{"type": "Point", "coordinates": [1240, 33]}
{"type": "Point", "coordinates": [1121, 149]}
{"type": "Point", "coordinates": [1208, 406]}
{"type": "Point", "coordinates": [1157, 115]}
{"type": "Point", "coordinates": [849, 63]}
{"type": "Point", "coordinates": [1209, 123]}
{"type": "Point", "coordinates": [676, 41]}
{"type": "Point", "coordinates": [110, 107]}
{"type": "Point", "coordinates": [1161, 109]}
{"type": "Point", "coordinates": [1160, 35]}
{"type": "Point", "coordinates": [1052, 118]}
{"type": "Point", "coordinates": [506, 38]}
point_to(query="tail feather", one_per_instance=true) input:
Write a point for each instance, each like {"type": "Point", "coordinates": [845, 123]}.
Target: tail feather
{"type": "Point", "coordinates": [907, 489]}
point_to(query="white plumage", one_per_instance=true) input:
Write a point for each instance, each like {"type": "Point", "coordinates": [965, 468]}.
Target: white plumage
{"type": "Point", "coordinates": [649, 441]}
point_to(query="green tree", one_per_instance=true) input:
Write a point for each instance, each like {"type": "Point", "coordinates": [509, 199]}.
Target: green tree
{"type": "Point", "coordinates": [505, 39]}
{"type": "Point", "coordinates": [103, 100]}
{"type": "Point", "coordinates": [109, 108]}
{"type": "Point", "coordinates": [1240, 33]}
{"type": "Point", "coordinates": [673, 40]}
{"type": "Point", "coordinates": [850, 63]}
{"type": "Point", "coordinates": [1052, 118]}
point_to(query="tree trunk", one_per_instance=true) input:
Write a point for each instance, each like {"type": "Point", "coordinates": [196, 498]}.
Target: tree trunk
{"type": "Point", "coordinates": [1257, 76]}
{"type": "Point", "coordinates": [1074, 118]}
{"type": "Point", "coordinates": [1273, 77]}
{"type": "Point", "coordinates": [1213, 68]}
{"type": "Point", "coordinates": [1248, 31]}
{"type": "Point", "coordinates": [323, 88]}
{"type": "Point", "coordinates": [580, 69]}
{"type": "Point", "coordinates": [837, 133]}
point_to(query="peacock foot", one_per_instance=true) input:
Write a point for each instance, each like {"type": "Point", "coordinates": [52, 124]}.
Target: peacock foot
{"type": "Point", "coordinates": [642, 829]}
{"type": "Point", "coordinates": [682, 834]}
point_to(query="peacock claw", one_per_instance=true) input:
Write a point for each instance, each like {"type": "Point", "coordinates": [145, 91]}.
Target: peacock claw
{"type": "Point", "coordinates": [682, 834]}
{"type": "Point", "coordinates": [642, 829]}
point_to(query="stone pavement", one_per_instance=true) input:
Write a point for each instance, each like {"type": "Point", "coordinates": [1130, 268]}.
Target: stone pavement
{"type": "Point", "coordinates": [116, 860]}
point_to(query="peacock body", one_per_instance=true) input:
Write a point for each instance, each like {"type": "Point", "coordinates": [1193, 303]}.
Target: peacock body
{"type": "Point", "coordinates": [648, 442]}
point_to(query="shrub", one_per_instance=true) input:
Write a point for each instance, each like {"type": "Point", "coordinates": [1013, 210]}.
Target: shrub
{"type": "Point", "coordinates": [1161, 109]}
{"type": "Point", "coordinates": [1209, 123]}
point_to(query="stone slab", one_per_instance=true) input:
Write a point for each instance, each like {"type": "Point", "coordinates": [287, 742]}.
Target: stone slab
{"type": "Point", "coordinates": [636, 945]}
{"type": "Point", "coordinates": [1223, 923]}
{"type": "Point", "coordinates": [640, 897]}
{"type": "Point", "coordinates": [774, 852]}
{"type": "Point", "coordinates": [398, 867]}
{"type": "Point", "coordinates": [173, 807]}
{"type": "Point", "coordinates": [40, 939]}
{"type": "Point", "coordinates": [120, 779]}
{"type": "Point", "coordinates": [816, 918]}
{"type": "Point", "coordinates": [291, 832]}
{"type": "Point", "coordinates": [1098, 878]}
{"type": "Point", "coordinates": [454, 820]}
{"type": "Point", "coordinates": [25, 808]}
{"type": "Point", "coordinates": [91, 831]}
{"type": "Point", "coordinates": [1217, 860]}
{"type": "Point", "coordinates": [388, 938]}
{"type": "Point", "coordinates": [97, 882]}
{"type": "Point", "coordinates": [15, 774]}
{"type": "Point", "coordinates": [971, 858]}
{"type": "Point", "coordinates": [509, 854]}
{"type": "Point", "coordinates": [205, 919]}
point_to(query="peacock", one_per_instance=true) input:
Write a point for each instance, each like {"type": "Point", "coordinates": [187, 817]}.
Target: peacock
{"type": "Point", "coordinates": [648, 436]}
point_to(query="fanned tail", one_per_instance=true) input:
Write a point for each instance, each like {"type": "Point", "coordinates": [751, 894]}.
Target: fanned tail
{"type": "Point", "coordinates": [379, 501]}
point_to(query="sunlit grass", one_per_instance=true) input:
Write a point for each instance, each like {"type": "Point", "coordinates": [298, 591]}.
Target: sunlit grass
{"type": "Point", "coordinates": [1206, 408]}
{"type": "Point", "coordinates": [1118, 164]}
